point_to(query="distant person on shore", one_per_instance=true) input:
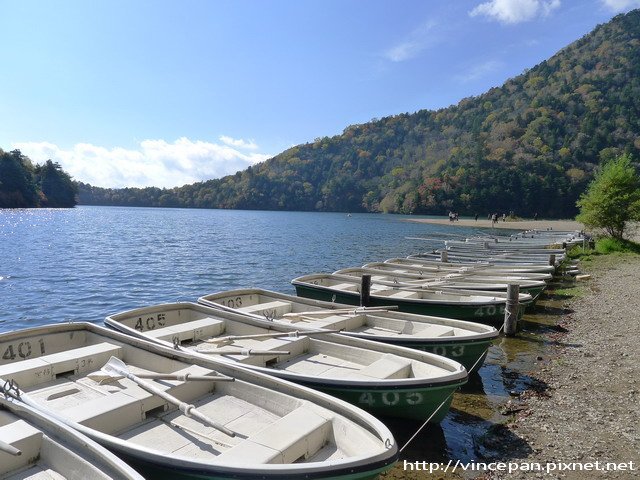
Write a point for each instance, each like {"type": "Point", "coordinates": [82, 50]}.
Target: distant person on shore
{"type": "Point", "coordinates": [476, 217]}
{"type": "Point", "coordinates": [535, 216]}
{"type": "Point", "coordinates": [494, 219]}
{"type": "Point", "coordinates": [504, 217]}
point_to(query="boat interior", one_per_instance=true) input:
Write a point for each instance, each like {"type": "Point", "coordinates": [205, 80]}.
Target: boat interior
{"type": "Point", "coordinates": [59, 372]}
{"type": "Point", "coordinates": [293, 353]}
{"type": "Point", "coordinates": [42, 456]}
{"type": "Point", "coordinates": [381, 324]}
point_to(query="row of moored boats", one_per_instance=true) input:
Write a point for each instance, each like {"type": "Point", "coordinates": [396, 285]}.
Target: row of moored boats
{"type": "Point", "coordinates": [257, 384]}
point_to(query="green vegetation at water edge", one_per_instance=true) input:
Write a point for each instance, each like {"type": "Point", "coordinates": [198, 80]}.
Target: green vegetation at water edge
{"type": "Point", "coordinates": [605, 246]}
{"type": "Point", "coordinates": [612, 200]}
{"type": "Point", "coordinates": [25, 185]}
{"type": "Point", "coordinates": [529, 146]}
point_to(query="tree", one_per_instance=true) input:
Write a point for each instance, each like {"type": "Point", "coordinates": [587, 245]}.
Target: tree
{"type": "Point", "coordinates": [17, 188]}
{"type": "Point", "coordinates": [612, 199]}
{"type": "Point", "coordinates": [58, 188]}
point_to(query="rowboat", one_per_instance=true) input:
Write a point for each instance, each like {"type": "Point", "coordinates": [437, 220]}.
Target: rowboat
{"type": "Point", "coordinates": [464, 342]}
{"type": "Point", "coordinates": [494, 258]}
{"type": "Point", "coordinates": [497, 247]}
{"type": "Point", "coordinates": [385, 380]}
{"type": "Point", "coordinates": [436, 269]}
{"type": "Point", "coordinates": [430, 259]}
{"type": "Point", "coordinates": [439, 269]}
{"type": "Point", "coordinates": [35, 446]}
{"type": "Point", "coordinates": [174, 415]}
{"type": "Point", "coordinates": [458, 282]}
{"type": "Point", "coordinates": [440, 303]}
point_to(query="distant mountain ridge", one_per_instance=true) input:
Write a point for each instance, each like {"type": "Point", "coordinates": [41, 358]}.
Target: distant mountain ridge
{"type": "Point", "coordinates": [529, 146]}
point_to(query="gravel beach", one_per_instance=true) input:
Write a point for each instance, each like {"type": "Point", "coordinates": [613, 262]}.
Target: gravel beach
{"type": "Point", "coordinates": [588, 413]}
{"type": "Point", "coordinates": [591, 409]}
{"type": "Point", "coordinates": [563, 225]}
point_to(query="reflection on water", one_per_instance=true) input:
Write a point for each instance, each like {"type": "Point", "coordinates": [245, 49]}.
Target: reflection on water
{"type": "Point", "coordinates": [88, 262]}
{"type": "Point", "coordinates": [473, 429]}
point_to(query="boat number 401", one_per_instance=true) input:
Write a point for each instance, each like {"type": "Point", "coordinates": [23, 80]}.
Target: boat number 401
{"type": "Point", "coordinates": [21, 350]}
{"type": "Point", "coordinates": [391, 398]}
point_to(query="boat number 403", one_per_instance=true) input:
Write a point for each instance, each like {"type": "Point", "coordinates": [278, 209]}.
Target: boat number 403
{"type": "Point", "coordinates": [488, 310]}
{"type": "Point", "coordinates": [391, 398]}
{"type": "Point", "coordinates": [22, 350]}
{"type": "Point", "coordinates": [454, 350]}
{"type": "Point", "coordinates": [233, 303]}
{"type": "Point", "coordinates": [151, 322]}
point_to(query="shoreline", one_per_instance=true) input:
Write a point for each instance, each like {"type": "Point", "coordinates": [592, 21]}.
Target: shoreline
{"type": "Point", "coordinates": [586, 414]}
{"type": "Point", "coordinates": [529, 224]}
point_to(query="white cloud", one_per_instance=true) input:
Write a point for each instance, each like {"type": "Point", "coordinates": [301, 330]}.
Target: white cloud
{"type": "Point", "coordinates": [239, 142]}
{"type": "Point", "coordinates": [416, 42]}
{"type": "Point", "coordinates": [618, 6]}
{"type": "Point", "coordinates": [155, 163]}
{"type": "Point", "coordinates": [478, 71]}
{"type": "Point", "coordinates": [515, 11]}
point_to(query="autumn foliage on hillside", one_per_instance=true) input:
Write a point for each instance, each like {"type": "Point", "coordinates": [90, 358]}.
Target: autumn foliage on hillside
{"type": "Point", "coordinates": [531, 145]}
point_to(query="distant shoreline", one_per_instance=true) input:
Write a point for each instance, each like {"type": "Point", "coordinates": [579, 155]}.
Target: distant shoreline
{"type": "Point", "coordinates": [529, 224]}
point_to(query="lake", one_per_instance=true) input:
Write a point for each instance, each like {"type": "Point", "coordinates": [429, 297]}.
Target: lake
{"type": "Point", "coordinates": [88, 262]}
{"type": "Point", "coordinates": [84, 263]}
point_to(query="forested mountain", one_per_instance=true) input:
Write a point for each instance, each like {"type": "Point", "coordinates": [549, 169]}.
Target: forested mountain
{"type": "Point", "coordinates": [25, 185]}
{"type": "Point", "coordinates": [529, 146]}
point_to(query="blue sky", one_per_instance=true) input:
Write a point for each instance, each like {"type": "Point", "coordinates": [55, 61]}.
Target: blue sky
{"type": "Point", "coordinates": [139, 93]}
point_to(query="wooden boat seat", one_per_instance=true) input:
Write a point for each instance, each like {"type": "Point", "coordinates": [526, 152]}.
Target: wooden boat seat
{"type": "Point", "coordinates": [435, 331]}
{"type": "Point", "coordinates": [389, 366]}
{"type": "Point", "coordinates": [47, 368]}
{"type": "Point", "coordinates": [404, 294]}
{"type": "Point", "coordinates": [189, 331]}
{"type": "Point", "coordinates": [116, 411]}
{"type": "Point", "coordinates": [351, 287]}
{"type": "Point", "coordinates": [24, 437]}
{"type": "Point", "coordinates": [299, 434]}
{"type": "Point", "coordinates": [296, 347]}
{"type": "Point", "coordinates": [276, 308]}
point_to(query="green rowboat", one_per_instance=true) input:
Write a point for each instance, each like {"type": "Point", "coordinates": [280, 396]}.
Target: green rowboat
{"type": "Point", "coordinates": [385, 380]}
{"type": "Point", "coordinates": [464, 342]}
{"type": "Point", "coordinates": [475, 307]}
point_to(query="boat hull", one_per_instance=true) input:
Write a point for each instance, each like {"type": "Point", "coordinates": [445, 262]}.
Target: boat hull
{"type": "Point", "coordinates": [171, 472]}
{"type": "Point", "coordinates": [470, 354]}
{"type": "Point", "coordinates": [491, 314]}
{"type": "Point", "coordinates": [409, 403]}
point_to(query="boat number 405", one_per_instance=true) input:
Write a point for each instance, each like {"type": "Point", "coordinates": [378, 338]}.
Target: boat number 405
{"type": "Point", "coordinates": [21, 350]}
{"type": "Point", "coordinates": [151, 322]}
{"type": "Point", "coordinates": [391, 398]}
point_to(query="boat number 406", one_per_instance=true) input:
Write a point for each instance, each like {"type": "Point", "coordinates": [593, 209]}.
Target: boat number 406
{"type": "Point", "coordinates": [391, 398]}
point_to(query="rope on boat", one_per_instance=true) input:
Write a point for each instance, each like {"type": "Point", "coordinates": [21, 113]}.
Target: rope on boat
{"type": "Point", "coordinates": [10, 388]}
{"type": "Point", "coordinates": [439, 407]}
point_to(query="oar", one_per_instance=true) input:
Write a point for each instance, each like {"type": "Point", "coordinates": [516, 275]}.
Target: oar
{"type": "Point", "coordinates": [294, 334]}
{"type": "Point", "coordinates": [339, 311]}
{"type": "Point", "coordinates": [101, 377]}
{"type": "Point", "coordinates": [118, 367]}
{"type": "Point", "coordinates": [10, 449]}
{"type": "Point", "coordinates": [242, 351]}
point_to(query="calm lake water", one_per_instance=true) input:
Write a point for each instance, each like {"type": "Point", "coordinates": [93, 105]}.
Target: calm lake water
{"type": "Point", "coordinates": [88, 262]}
